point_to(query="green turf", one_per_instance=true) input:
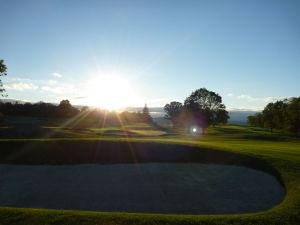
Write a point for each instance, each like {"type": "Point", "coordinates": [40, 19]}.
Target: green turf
{"type": "Point", "coordinates": [280, 152]}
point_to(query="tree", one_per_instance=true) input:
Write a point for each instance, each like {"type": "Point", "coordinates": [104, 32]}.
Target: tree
{"type": "Point", "coordinates": [65, 109]}
{"type": "Point", "coordinates": [146, 110]}
{"type": "Point", "coordinates": [208, 106]}
{"type": "Point", "coordinates": [222, 116]}
{"type": "Point", "coordinates": [256, 120]}
{"type": "Point", "coordinates": [146, 115]}
{"type": "Point", "coordinates": [173, 110]}
{"type": "Point", "coordinates": [281, 115]}
{"type": "Point", "coordinates": [3, 69]}
{"type": "Point", "coordinates": [292, 116]}
{"type": "Point", "coordinates": [268, 116]}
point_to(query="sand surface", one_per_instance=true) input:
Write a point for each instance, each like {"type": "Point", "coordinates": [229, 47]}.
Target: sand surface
{"type": "Point", "coordinates": [150, 187]}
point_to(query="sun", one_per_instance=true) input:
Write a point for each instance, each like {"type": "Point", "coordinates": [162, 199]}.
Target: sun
{"type": "Point", "coordinates": [110, 92]}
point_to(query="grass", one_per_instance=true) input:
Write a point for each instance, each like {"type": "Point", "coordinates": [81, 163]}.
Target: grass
{"type": "Point", "coordinates": [242, 145]}
{"type": "Point", "coordinates": [136, 129]}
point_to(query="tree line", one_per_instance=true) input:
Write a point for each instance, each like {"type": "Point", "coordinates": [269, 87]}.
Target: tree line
{"type": "Point", "coordinates": [202, 108]}
{"type": "Point", "coordinates": [281, 115]}
{"type": "Point", "coordinates": [41, 109]}
{"type": "Point", "coordinates": [83, 116]}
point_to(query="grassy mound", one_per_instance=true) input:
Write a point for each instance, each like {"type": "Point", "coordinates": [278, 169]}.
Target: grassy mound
{"type": "Point", "coordinates": [111, 152]}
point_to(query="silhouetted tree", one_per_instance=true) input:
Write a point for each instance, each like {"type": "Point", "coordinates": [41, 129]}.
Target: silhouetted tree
{"type": "Point", "coordinates": [146, 110]}
{"type": "Point", "coordinates": [206, 105]}
{"type": "Point", "coordinates": [280, 115]}
{"type": "Point", "coordinates": [221, 116]}
{"type": "Point", "coordinates": [3, 69]}
{"type": "Point", "coordinates": [256, 120]}
{"type": "Point", "coordinates": [65, 109]}
{"type": "Point", "coordinates": [146, 115]}
{"type": "Point", "coordinates": [87, 117]}
{"type": "Point", "coordinates": [173, 110]}
{"type": "Point", "coordinates": [268, 116]}
{"type": "Point", "coordinates": [292, 119]}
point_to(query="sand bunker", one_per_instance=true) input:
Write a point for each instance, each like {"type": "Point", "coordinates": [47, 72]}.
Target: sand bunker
{"type": "Point", "coordinates": [182, 188]}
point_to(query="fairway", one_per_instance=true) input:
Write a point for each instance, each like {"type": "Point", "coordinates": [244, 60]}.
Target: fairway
{"type": "Point", "coordinates": [181, 188]}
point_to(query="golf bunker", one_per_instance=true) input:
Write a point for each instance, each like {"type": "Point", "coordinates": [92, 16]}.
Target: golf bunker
{"type": "Point", "coordinates": [136, 177]}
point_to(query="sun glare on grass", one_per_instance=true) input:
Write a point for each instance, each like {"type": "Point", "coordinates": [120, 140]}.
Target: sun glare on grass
{"type": "Point", "coordinates": [110, 92]}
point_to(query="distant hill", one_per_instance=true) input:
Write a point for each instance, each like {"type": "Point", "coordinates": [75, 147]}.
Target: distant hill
{"type": "Point", "coordinates": [240, 116]}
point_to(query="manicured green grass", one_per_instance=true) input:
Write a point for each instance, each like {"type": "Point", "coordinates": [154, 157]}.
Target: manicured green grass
{"type": "Point", "coordinates": [135, 129]}
{"type": "Point", "coordinates": [280, 152]}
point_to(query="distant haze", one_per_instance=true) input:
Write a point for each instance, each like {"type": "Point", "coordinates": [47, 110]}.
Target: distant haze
{"type": "Point", "coordinates": [237, 116]}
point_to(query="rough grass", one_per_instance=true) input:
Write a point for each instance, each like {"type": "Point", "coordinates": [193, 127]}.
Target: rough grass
{"type": "Point", "coordinates": [281, 154]}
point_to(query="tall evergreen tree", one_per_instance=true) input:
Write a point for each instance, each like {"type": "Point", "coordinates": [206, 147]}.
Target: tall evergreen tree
{"type": "Point", "coordinates": [146, 110]}
{"type": "Point", "coordinates": [146, 115]}
{"type": "Point", "coordinates": [3, 69]}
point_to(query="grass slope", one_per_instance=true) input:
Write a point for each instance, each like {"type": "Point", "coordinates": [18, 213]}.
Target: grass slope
{"type": "Point", "coordinates": [280, 152]}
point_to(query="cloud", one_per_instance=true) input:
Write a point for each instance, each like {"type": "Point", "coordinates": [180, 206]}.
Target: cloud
{"type": "Point", "coordinates": [51, 82]}
{"type": "Point", "coordinates": [252, 108]}
{"type": "Point", "coordinates": [58, 75]}
{"type": "Point", "coordinates": [59, 89]}
{"type": "Point", "coordinates": [230, 95]}
{"type": "Point", "coordinates": [21, 86]}
{"type": "Point", "coordinates": [81, 97]}
{"type": "Point", "coordinates": [50, 89]}
{"type": "Point", "coordinates": [247, 97]}
{"type": "Point", "coordinates": [273, 99]}
{"type": "Point", "coordinates": [260, 99]}
{"type": "Point", "coordinates": [46, 89]}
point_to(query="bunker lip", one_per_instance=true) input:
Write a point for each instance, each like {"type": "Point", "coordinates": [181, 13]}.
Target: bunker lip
{"type": "Point", "coordinates": [121, 153]}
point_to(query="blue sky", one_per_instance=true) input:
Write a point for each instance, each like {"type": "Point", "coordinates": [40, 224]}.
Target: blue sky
{"type": "Point", "coordinates": [247, 51]}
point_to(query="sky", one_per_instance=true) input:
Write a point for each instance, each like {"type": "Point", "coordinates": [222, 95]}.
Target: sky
{"type": "Point", "coordinates": [127, 53]}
